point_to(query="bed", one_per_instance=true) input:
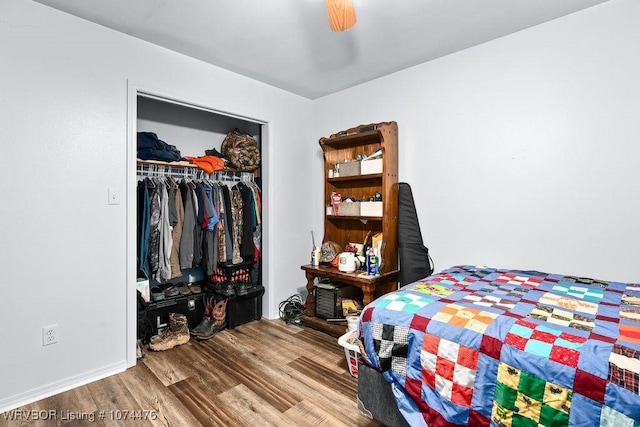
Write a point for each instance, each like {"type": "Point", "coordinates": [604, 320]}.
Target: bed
{"type": "Point", "coordinates": [483, 346]}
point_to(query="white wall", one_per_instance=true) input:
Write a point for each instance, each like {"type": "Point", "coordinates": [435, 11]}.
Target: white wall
{"type": "Point", "coordinates": [522, 152]}
{"type": "Point", "coordinates": [63, 123]}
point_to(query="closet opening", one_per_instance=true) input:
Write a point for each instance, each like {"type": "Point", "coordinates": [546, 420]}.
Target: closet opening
{"type": "Point", "coordinates": [195, 131]}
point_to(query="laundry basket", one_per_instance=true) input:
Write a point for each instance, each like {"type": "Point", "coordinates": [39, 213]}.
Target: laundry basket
{"type": "Point", "coordinates": [351, 351]}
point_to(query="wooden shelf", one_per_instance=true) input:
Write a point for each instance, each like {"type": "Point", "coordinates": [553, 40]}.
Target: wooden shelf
{"type": "Point", "coordinates": [360, 218]}
{"type": "Point", "coordinates": [355, 177]}
{"type": "Point", "coordinates": [348, 146]}
{"type": "Point", "coordinates": [353, 137]}
{"type": "Point", "coordinates": [333, 329]}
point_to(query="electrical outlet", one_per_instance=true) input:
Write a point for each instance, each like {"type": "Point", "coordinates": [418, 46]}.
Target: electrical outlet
{"type": "Point", "coordinates": [50, 335]}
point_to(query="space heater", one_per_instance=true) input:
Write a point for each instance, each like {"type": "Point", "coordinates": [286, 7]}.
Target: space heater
{"type": "Point", "coordinates": [329, 298]}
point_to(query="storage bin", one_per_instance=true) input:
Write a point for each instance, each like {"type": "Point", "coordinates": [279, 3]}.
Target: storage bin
{"type": "Point", "coordinates": [348, 209]}
{"type": "Point", "coordinates": [190, 305]}
{"type": "Point", "coordinates": [348, 169]}
{"type": "Point", "coordinates": [371, 166]}
{"type": "Point", "coordinates": [351, 351]}
{"type": "Point", "coordinates": [371, 208]}
{"type": "Point", "coordinates": [244, 309]}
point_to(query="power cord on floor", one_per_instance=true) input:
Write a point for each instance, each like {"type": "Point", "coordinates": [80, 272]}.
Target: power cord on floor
{"type": "Point", "coordinates": [292, 310]}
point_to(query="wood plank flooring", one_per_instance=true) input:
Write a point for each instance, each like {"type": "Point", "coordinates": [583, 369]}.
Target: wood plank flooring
{"type": "Point", "coordinates": [263, 373]}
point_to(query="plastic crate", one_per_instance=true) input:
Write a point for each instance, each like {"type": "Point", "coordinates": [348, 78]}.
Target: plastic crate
{"type": "Point", "coordinates": [351, 352]}
{"type": "Point", "coordinates": [232, 273]}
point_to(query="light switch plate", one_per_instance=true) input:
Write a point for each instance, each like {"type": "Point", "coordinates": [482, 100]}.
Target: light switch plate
{"type": "Point", "coordinates": [114, 196]}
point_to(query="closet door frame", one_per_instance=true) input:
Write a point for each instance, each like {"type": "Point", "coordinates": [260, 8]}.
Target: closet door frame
{"type": "Point", "coordinates": [135, 90]}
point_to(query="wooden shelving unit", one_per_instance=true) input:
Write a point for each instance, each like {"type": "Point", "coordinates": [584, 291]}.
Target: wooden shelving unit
{"type": "Point", "coordinates": [344, 146]}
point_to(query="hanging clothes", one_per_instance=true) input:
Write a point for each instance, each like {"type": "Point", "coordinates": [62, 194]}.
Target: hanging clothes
{"type": "Point", "coordinates": [154, 223]}
{"type": "Point", "coordinates": [144, 227]}
{"type": "Point", "coordinates": [195, 222]}
{"type": "Point", "coordinates": [236, 209]}
{"type": "Point", "coordinates": [248, 221]}
{"type": "Point", "coordinates": [176, 271]}
{"type": "Point", "coordinates": [165, 241]}
{"type": "Point", "coordinates": [186, 239]}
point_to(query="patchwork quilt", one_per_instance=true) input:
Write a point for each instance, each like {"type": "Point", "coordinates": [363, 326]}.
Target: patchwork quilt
{"type": "Point", "coordinates": [483, 346]}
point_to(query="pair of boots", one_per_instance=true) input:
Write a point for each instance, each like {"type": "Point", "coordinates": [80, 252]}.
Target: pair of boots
{"type": "Point", "coordinates": [176, 334]}
{"type": "Point", "coordinates": [214, 320]}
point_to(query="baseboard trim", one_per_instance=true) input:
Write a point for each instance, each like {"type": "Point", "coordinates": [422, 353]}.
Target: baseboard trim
{"type": "Point", "coordinates": [18, 400]}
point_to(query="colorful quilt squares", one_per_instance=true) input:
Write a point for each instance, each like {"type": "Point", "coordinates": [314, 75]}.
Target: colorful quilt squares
{"type": "Point", "coordinates": [568, 303]}
{"type": "Point", "coordinates": [632, 314]}
{"type": "Point", "coordinates": [631, 299]}
{"type": "Point", "coordinates": [585, 281]}
{"type": "Point", "coordinates": [522, 400]}
{"type": "Point", "coordinates": [453, 280]}
{"type": "Point", "coordinates": [449, 368]}
{"type": "Point", "coordinates": [514, 279]}
{"type": "Point", "coordinates": [465, 317]}
{"type": "Point", "coordinates": [629, 333]}
{"type": "Point", "coordinates": [624, 368]}
{"type": "Point", "coordinates": [562, 317]}
{"type": "Point", "coordinates": [432, 289]}
{"type": "Point", "coordinates": [406, 302]}
{"type": "Point", "coordinates": [509, 291]}
{"type": "Point", "coordinates": [490, 301]}
{"type": "Point", "coordinates": [612, 418]}
{"type": "Point", "coordinates": [582, 292]}
{"type": "Point", "coordinates": [473, 271]}
{"type": "Point", "coordinates": [391, 345]}
{"type": "Point", "coordinates": [546, 342]}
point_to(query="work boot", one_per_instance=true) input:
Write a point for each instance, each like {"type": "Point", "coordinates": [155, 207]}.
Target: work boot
{"type": "Point", "coordinates": [213, 321]}
{"type": "Point", "coordinates": [205, 324]}
{"type": "Point", "coordinates": [176, 334]}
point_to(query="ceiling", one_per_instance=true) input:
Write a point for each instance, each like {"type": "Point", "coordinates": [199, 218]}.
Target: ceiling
{"type": "Point", "coordinates": [288, 43]}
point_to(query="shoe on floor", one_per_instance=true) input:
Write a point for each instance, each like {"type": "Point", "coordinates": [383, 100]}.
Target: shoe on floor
{"type": "Point", "coordinates": [210, 329]}
{"type": "Point", "coordinates": [139, 352]}
{"type": "Point", "coordinates": [214, 320]}
{"type": "Point", "coordinates": [176, 334]}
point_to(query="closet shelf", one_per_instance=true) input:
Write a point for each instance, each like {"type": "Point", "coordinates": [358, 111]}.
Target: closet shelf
{"type": "Point", "coordinates": [180, 164]}
{"type": "Point", "coordinates": [186, 163]}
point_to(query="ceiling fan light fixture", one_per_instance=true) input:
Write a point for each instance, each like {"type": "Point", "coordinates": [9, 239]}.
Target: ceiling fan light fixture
{"type": "Point", "coordinates": [342, 15]}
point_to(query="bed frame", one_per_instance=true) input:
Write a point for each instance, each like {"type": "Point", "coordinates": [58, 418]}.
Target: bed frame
{"type": "Point", "coordinates": [375, 398]}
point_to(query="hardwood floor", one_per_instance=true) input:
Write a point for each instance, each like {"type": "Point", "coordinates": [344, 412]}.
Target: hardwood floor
{"type": "Point", "coordinates": [263, 373]}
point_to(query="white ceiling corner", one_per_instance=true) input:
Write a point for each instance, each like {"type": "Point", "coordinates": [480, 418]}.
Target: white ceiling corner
{"type": "Point", "coordinates": [288, 44]}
